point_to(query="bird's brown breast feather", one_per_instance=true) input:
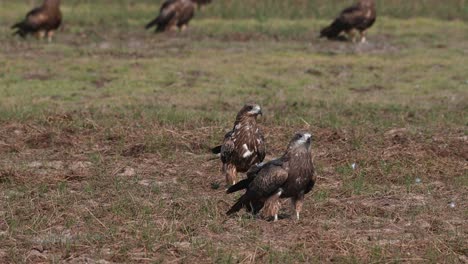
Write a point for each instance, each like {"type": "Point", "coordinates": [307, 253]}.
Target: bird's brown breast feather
{"type": "Point", "coordinates": [245, 143]}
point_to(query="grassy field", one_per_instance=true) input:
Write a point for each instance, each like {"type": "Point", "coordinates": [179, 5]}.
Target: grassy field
{"type": "Point", "coordinates": [126, 10]}
{"type": "Point", "coordinates": [104, 138]}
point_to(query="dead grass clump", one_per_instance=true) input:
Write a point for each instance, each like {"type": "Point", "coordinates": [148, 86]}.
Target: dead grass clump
{"type": "Point", "coordinates": [9, 148]}
{"type": "Point", "coordinates": [42, 140]}
{"type": "Point", "coordinates": [7, 175]}
{"type": "Point", "coordinates": [450, 147]}
{"type": "Point", "coordinates": [152, 186]}
{"type": "Point", "coordinates": [134, 150]}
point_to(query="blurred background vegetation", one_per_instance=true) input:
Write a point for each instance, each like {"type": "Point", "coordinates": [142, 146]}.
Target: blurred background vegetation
{"type": "Point", "coordinates": [257, 9]}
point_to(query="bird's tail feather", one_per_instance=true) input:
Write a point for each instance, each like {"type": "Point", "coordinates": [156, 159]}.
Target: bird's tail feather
{"type": "Point", "coordinates": [216, 150]}
{"type": "Point", "coordinates": [332, 31]}
{"type": "Point", "coordinates": [163, 20]}
{"type": "Point", "coordinates": [151, 24]}
{"type": "Point", "coordinates": [17, 25]}
{"type": "Point", "coordinates": [255, 206]}
{"type": "Point", "coordinates": [239, 186]}
{"type": "Point", "coordinates": [20, 32]}
{"type": "Point", "coordinates": [20, 29]}
{"type": "Point", "coordinates": [251, 206]}
{"type": "Point", "coordinates": [238, 205]}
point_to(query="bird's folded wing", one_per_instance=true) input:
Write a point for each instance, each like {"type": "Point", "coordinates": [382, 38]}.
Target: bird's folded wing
{"type": "Point", "coordinates": [38, 18]}
{"type": "Point", "coordinates": [351, 14]}
{"type": "Point", "coordinates": [269, 179]}
{"type": "Point", "coordinates": [350, 10]}
{"type": "Point", "coordinates": [227, 149]}
{"type": "Point", "coordinates": [166, 4]}
{"type": "Point", "coordinates": [261, 148]}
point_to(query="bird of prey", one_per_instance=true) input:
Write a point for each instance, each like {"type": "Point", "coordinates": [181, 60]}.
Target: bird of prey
{"type": "Point", "coordinates": [41, 21]}
{"type": "Point", "coordinates": [244, 145]}
{"type": "Point", "coordinates": [290, 176]}
{"type": "Point", "coordinates": [174, 14]}
{"type": "Point", "coordinates": [358, 17]}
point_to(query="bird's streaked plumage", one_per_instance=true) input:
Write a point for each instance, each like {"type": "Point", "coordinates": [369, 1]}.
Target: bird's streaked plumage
{"type": "Point", "coordinates": [173, 14]}
{"type": "Point", "coordinates": [291, 176]}
{"type": "Point", "coordinates": [41, 21]}
{"type": "Point", "coordinates": [244, 145]}
{"type": "Point", "coordinates": [358, 17]}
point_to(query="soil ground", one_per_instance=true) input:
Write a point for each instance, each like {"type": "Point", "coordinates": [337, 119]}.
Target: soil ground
{"type": "Point", "coordinates": [105, 137]}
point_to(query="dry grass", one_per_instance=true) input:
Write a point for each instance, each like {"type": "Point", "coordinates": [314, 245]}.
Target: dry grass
{"type": "Point", "coordinates": [149, 193]}
{"type": "Point", "coordinates": [104, 139]}
{"type": "Point", "coordinates": [124, 12]}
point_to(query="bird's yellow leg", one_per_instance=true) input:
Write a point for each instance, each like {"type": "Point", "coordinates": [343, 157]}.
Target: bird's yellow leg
{"type": "Point", "coordinates": [272, 205]}
{"type": "Point", "coordinates": [348, 33]}
{"type": "Point", "coordinates": [363, 36]}
{"type": "Point", "coordinates": [231, 174]}
{"type": "Point", "coordinates": [50, 35]}
{"type": "Point", "coordinates": [297, 203]}
{"type": "Point", "coordinates": [352, 35]}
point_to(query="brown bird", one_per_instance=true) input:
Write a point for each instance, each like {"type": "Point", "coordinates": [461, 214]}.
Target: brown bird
{"type": "Point", "coordinates": [358, 17]}
{"type": "Point", "coordinates": [173, 14]}
{"type": "Point", "coordinates": [244, 145]}
{"type": "Point", "coordinates": [41, 21]}
{"type": "Point", "coordinates": [291, 176]}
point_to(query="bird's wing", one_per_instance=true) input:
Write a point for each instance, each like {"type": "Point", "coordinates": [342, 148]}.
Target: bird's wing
{"type": "Point", "coordinates": [252, 173]}
{"type": "Point", "coordinates": [166, 4]}
{"type": "Point", "coordinates": [269, 179]}
{"type": "Point", "coordinates": [351, 15]}
{"type": "Point", "coordinates": [36, 17]}
{"type": "Point", "coordinates": [187, 12]}
{"type": "Point", "coordinates": [228, 148]}
{"type": "Point", "coordinates": [261, 148]}
{"type": "Point", "coordinates": [255, 169]}
{"type": "Point", "coordinates": [168, 10]}
{"type": "Point", "coordinates": [350, 9]}
{"type": "Point", "coordinates": [34, 11]}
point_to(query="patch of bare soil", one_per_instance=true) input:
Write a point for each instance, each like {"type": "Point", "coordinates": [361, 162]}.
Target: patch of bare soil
{"type": "Point", "coordinates": [368, 89]}
{"type": "Point", "coordinates": [376, 44]}
{"type": "Point", "coordinates": [243, 37]}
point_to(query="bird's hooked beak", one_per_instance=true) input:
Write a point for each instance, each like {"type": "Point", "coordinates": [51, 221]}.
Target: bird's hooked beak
{"type": "Point", "coordinates": [301, 140]}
